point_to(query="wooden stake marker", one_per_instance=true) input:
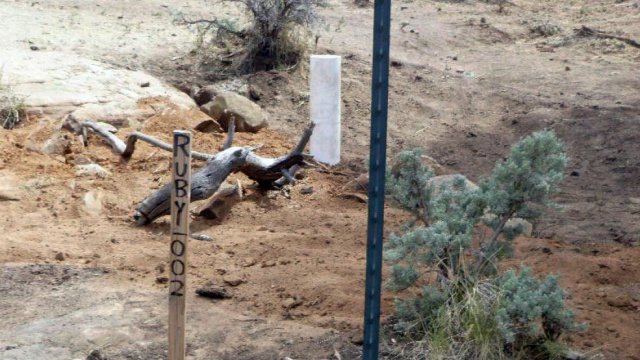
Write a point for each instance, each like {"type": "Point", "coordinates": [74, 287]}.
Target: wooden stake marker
{"type": "Point", "coordinates": [180, 198]}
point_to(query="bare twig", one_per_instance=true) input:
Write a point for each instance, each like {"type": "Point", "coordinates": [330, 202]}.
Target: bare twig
{"type": "Point", "coordinates": [135, 136]}
{"type": "Point", "coordinates": [230, 133]}
{"type": "Point", "coordinates": [587, 31]}
{"type": "Point", "coordinates": [213, 23]}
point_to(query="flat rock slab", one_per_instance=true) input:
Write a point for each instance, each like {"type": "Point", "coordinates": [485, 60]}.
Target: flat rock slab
{"type": "Point", "coordinates": [59, 84]}
{"type": "Point", "coordinates": [60, 312]}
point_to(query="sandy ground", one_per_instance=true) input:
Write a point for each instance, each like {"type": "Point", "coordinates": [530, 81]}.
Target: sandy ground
{"type": "Point", "coordinates": [462, 87]}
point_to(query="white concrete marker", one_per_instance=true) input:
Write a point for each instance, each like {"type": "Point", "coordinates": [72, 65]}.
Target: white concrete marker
{"type": "Point", "coordinates": [325, 108]}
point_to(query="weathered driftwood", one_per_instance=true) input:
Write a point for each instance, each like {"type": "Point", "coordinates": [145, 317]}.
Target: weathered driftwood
{"type": "Point", "coordinates": [126, 149]}
{"type": "Point", "coordinates": [206, 181]}
{"type": "Point", "coordinates": [135, 136]}
{"type": "Point", "coordinates": [265, 171]}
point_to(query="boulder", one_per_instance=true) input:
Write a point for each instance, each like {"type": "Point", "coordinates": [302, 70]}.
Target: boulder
{"type": "Point", "coordinates": [527, 227]}
{"type": "Point", "coordinates": [57, 144]}
{"type": "Point", "coordinates": [447, 182]}
{"type": "Point", "coordinates": [427, 161]}
{"type": "Point", "coordinates": [204, 95]}
{"type": "Point", "coordinates": [433, 165]}
{"type": "Point", "coordinates": [248, 115]}
{"type": "Point", "coordinates": [60, 84]}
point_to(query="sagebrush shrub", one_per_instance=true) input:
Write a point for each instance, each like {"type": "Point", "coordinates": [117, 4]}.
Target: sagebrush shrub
{"type": "Point", "coordinates": [441, 251]}
{"type": "Point", "coordinates": [530, 309]}
{"type": "Point", "coordinates": [276, 36]}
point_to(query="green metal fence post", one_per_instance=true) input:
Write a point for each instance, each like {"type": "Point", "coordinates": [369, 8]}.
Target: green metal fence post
{"type": "Point", "coordinates": [377, 168]}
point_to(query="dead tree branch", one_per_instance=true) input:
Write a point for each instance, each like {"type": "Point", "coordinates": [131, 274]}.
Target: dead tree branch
{"type": "Point", "coordinates": [585, 31]}
{"type": "Point", "coordinates": [231, 130]}
{"type": "Point", "coordinates": [206, 181]}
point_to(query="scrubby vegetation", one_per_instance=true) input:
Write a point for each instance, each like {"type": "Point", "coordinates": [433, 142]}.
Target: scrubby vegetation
{"type": "Point", "coordinates": [12, 109]}
{"type": "Point", "coordinates": [276, 36]}
{"type": "Point", "coordinates": [455, 302]}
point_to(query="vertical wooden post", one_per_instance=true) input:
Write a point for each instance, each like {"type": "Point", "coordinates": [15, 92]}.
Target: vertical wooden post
{"type": "Point", "coordinates": [180, 198]}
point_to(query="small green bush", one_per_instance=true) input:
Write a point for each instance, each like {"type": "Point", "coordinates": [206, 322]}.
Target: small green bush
{"type": "Point", "coordinates": [530, 309]}
{"type": "Point", "coordinates": [463, 298]}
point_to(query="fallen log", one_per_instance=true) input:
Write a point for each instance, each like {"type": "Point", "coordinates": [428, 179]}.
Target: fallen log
{"type": "Point", "coordinates": [206, 181]}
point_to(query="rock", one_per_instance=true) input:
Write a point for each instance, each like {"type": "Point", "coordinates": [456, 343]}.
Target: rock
{"type": "Point", "coordinates": [213, 292]}
{"type": "Point", "coordinates": [300, 175]}
{"type": "Point", "coordinates": [268, 263]}
{"type": "Point", "coordinates": [58, 144]}
{"type": "Point", "coordinates": [208, 93]}
{"type": "Point", "coordinates": [208, 126]}
{"type": "Point", "coordinates": [205, 94]}
{"type": "Point", "coordinates": [254, 93]}
{"type": "Point", "coordinates": [249, 262]}
{"type": "Point", "coordinates": [306, 190]}
{"type": "Point", "coordinates": [201, 237]}
{"type": "Point", "coordinates": [433, 165]}
{"type": "Point", "coordinates": [207, 108]}
{"type": "Point", "coordinates": [361, 184]}
{"type": "Point", "coordinates": [232, 280]}
{"type": "Point", "coordinates": [527, 227]}
{"type": "Point", "coordinates": [354, 196]}
{"type": "Point", "coordinates": [248, 115]}
{"type": "Point", "coordinates": [160, 268]}
{"type": "Point", "coordinates": [80, 160]}
{"type": "Point", "coordinates": [427, 161]}
{"type": "Point", "coordinates": [93, 202]}
{"type": "Point", "coordinates": [145, 84]}
{"type": "Point", "coordinates": [573, 355]}
{"type": "Point", "coordinates": [58, 83]}
{"type": "Point", "coordinates": [92, 170]}
{"type": "Point", "coordinates": [357, 338]}
{"type": "Point", "coordinates": [96, 355]}
{"type": "Point", "coordinates": [447, 182]}
{"type": "Point", "coordinates": [622, 301]}
{"type": "Point", "coordinates": [59, 256]}
{"type": "Point", "coordinates": [290, 303]}
{"type": "Point", "coordinates": [9, 187]}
